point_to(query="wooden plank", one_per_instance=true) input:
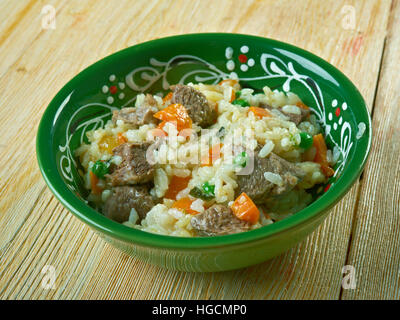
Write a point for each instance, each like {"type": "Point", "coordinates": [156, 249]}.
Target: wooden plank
{"type": "Point", "coordinates": [16, 11]}
{"type": "Point", "coordinates": [375, 245]}
{"type": "Point", "coordinates": [20, 26]}
{"type": "Point", "coordinates": [39, 232]}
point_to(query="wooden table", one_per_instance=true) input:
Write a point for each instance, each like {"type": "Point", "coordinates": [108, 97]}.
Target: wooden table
{"type": "Point", "coordinates": [358, 37]}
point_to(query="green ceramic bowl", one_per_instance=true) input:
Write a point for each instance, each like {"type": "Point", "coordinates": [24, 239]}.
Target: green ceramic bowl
{"type": "Point", "coordinates": [86, 102]}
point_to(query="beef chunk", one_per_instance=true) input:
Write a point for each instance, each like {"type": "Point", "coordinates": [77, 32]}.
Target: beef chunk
{"type": "Point", "coordinates": [258, 188]}
{"type": "Point", "coordinates": [134, 167]}
{"type": "Point", "coordinates": [296, 118]}
{"type": "Point", "coordinates": [139, 115]}
{"type": "Point", "coordinates": [218, 220]}
{"type": "Point", "coordinates": [119, 204]}
{"type": "Point", "coordinates": [305, 114]}
{"type": "Point", "coordinates": [199, 109]}
{"type": "Point", "coordinates": [293, 117]}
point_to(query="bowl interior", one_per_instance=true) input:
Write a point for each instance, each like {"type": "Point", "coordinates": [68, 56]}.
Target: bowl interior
{"type": "Point", "coordinates": [87, 102]}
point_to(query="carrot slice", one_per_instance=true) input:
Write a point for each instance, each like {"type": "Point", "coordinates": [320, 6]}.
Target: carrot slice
{"type": "Point", "coordinates": [302, 106]}
{"type": "Point", "coordinates": [167, 97]}
{"type": "Point", "coordinates": [162, 124]}
{"type": "Point", "coordinates": [94, 180]}
{"type": "Point", "coordinates": [320, 155]}
{"type": "Point", "coordinates": [172, 112]}
{"type": "Point", "coordinates": [157, 132]}
{"type": "Point", "coordinates": [229, 82]}
{"type": "Point", "coordinates": [121, 139]}
{"type": "Point", "coordinates": [214, 153]}
{"type": "Point", "coordinates": [245, 209]}
{"type": "Point", "coordinates": [176, 113]}
{"type": "Point", "coordinates": [233, 95]}
{"type": "Point", "coordinates": [259, 112]}
{"type": "Point", "coordinates": [184, 204]}
{"type": "Point", "coordinates": [176, 185]}
{"type": "Point", "coordinates": [107, 143]}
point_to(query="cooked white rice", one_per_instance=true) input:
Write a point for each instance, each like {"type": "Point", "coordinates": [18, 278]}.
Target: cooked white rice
{"type": "Point", "coordinates": [273, 178]}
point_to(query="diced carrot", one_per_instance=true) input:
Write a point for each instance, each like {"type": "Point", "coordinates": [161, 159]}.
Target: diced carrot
{"type": "Point", "coordinates": [172, 112]}
{"type": "Point", "coordinates": [245, 209]}
{"type": "Point", "coordinates": [162, 124]}
{"type": "Point", "coordinates": [184, 204]}
{"type": "Point", "coordinates": [302, 106]}
{"type": "Point", "coordinates": [205, 161]}
{"type": "Point", "coordinates": [158, 132]}
{"type": "Point", "coordinates": [229, 82]}
{"type": "Point", "coordinates": [320, 155]}
{"type": "Point", "coordinates": [94, 180]}
{"type": "Point", "coordinates": [176, 185]}
{"type": "Point", "coordinates": [167, 97]}
{"type": "Point", "coordinates": [309, 154]}
{"type": "Point", "coordinates": [107, 143]}
{"type": "Point", "coordinates": [320, 145]}
{"type": "Point", "coordinates": [233, 95]}
{"type": "Point", "coordinates": [259, 112]}
{"type": "Point", "coordinates": [160, 127]}
{"type": "Point", "coordinates": [214, 153]}
{"type": "Point", "coordinates": [186, 133]}
{"type": "Point", "coordinates": [175, 113]}
{"type": "Point", "coordinates": [122, 139]}
{"type": "Point", "coordinates": [327, 170]}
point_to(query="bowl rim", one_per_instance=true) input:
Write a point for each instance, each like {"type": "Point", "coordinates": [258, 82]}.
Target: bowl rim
{"type": "Point", "coordinates": [121, 232]}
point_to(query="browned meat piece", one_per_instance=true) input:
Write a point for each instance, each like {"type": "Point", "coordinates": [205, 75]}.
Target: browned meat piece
{"type": "Point", "coordinates": [134, 167]}
{"type": "Point", "coordinates": [258, 188]}
{"type": "Point", "coordinates": [296, 118]}
{"type": "Point", "coordinates": [123, 199]}
{"type": "Point", "coordinates": [266, 106]}
{"type": "Point", "coordinates": [139, 115]}
{"type": "Point", "coordinates": [199, 109]}
{"type": "Point", "coordinates": [218, 220]}
{"type": "Point", "coordinates": [305, 113]}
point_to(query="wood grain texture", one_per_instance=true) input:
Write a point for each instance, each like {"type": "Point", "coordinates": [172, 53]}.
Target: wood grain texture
{"type": "Point", "coordinates": [20, 28]}
{"type": "Point", "coordinates": [37, 231]}
{"type": "Point", "coordinates": [375, 245]}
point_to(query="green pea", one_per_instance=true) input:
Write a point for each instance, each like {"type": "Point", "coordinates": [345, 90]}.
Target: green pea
{"type": "Point", "coordinates": [196, 192]}
{"type": "Point", "coordinates": [241, 102]}
{"type": "Point", "coordinates": [306, 140]}
{"type": "Point", "coordinates": [208, 188]}
{"type": "Point", "coordinates": [101, 168]}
